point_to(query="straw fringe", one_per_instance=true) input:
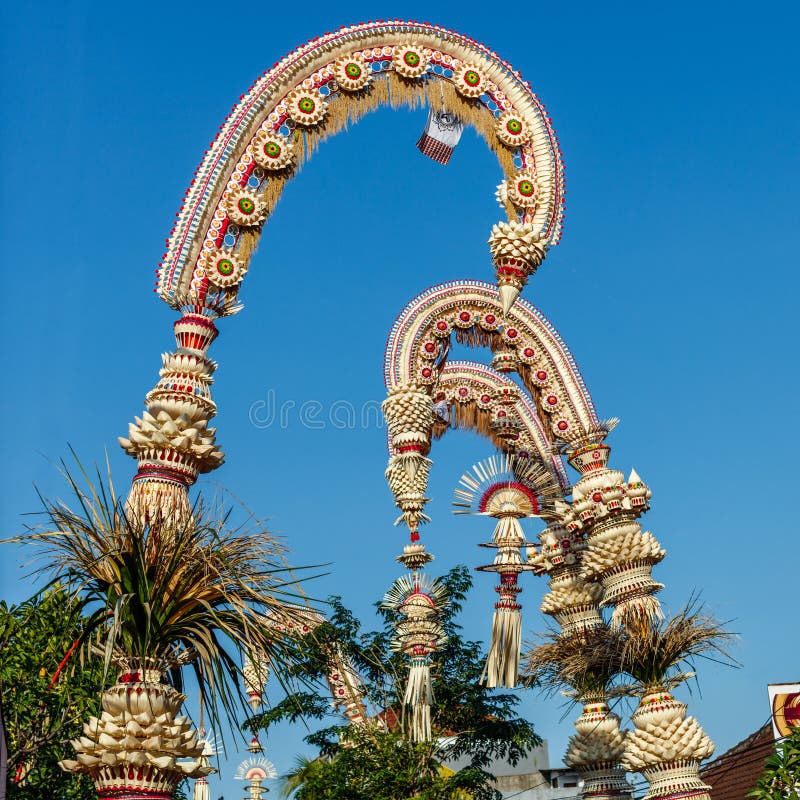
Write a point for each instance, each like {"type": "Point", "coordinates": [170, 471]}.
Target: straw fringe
{"type": "Point", "coordinates": [419, 695]}
{"type": "Point", "coordinates": [502, 665]}
{"type": "Point", "coordinates": [397, 92]}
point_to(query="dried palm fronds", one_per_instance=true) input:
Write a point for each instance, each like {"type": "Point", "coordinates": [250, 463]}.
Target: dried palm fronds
{"type": "Point", "coordinates": [588, 661]}
{"type": "Point", "coordinates": [169, 594]}
{"type": "Point", "coordinates": [656, 654]}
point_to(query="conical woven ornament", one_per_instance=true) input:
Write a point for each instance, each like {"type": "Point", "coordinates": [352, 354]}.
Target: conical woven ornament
{"type": "Point", "coordinates": [255, 672]}
{"type": "Point", "coordinates": [507, 488]}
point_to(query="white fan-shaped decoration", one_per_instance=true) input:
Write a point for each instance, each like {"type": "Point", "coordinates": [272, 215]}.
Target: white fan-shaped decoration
{"type": "Point", "coordinates": [407, 585]}
{"type": "Point", "coordinates": [256, 768]}
{"type": "Point", "coordinates": [507, 486]}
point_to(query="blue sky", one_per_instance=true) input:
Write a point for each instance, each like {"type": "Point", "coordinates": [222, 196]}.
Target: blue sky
{"type": "Point", "coordinates": [675, 285]}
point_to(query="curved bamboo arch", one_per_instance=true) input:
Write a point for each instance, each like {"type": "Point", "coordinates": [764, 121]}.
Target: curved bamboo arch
{"type": "Point", "coordinates": [476, 394]}
{"type": "Point", "coordinates": [205, 224]}
{"type": "Point", "coordinates": [420, 338]}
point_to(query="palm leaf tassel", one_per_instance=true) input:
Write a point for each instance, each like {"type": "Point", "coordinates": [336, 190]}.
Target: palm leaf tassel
{"type": "Point", "coordinates": [419, 695]}
{"type": "Point", "coordinates": [502, 664]}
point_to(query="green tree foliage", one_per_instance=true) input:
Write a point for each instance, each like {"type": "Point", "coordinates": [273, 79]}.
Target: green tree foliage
{"type": "Point", "coordinates": [371, 762]}
{"type": "Point", "coordinates": [781, 777]}
{"type": "Point", "coordinates": [43, 712]}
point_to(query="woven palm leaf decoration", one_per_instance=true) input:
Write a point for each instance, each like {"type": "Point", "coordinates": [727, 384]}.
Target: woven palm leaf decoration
{"type": "Point", "coordinates": [418, 602]}
{"type": "Point", "coordinates": [255, 672]}
{"type": "Point", "coordinates": [507, 488]}
{"type": "Point", "coordinates": [256, 771]}
{"type": "Point", "coordinates": [201, 790]}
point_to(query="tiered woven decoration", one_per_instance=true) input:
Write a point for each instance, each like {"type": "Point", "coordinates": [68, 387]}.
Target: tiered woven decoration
{"type": "Point", "coordinates": [596, 750]}
{"type": "Point", "coordinates": [139, 747]}
{"type": "Point", "coordinates": [409, 416]}
{"type": "Point", "coordinates": [172, 441]}
{"type": "Point", "coordinates": [256, 771]}
{"type": "Point", "coordinates": [419, 602]}
{"type": "Point", "coordinates": [606, 506]}
{"type": "Point", "coordinates": [255, 672]}
{"type": "Point", "coordinates": [572, 601]}
{"type": "Point", "coordinates": [507, 488]}
{"type": "Point", "coordinates": [517, 252]}
{"type": "Point", "coordinates": [667, 747]}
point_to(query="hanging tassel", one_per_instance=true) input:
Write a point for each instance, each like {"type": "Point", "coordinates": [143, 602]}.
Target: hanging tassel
{"type": "Point", "coordinates": [635, 610]}
{"type": "Point", "coordinates": [419, 695]}
{"type": "Point", "coordinates": [421, 723]}
{"type": "Point", "coordinates": [502, 664]}
{"type": "Point", "coordinates": [201, 790]}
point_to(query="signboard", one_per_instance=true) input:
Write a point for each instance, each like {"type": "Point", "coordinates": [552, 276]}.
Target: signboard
{"type": "Point", "coordinates": [784, 700]}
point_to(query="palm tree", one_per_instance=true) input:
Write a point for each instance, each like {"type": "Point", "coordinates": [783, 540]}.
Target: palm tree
{"type": "Point", "coordinates": [162, 596]}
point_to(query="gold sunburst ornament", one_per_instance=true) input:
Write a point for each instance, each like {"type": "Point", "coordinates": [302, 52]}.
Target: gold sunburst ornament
{"type": "Point", "coordinates": [507, 488]}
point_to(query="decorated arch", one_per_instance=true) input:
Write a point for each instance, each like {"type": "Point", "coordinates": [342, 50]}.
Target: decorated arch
{"type": "Point", "coordinates": [480, 398]}
{"type": "Point", "coordinates": [593, 548]}
{"type": "Point", "coordinates": [313, 93]}
{"type": "Point", "coordinates": [523, 341]}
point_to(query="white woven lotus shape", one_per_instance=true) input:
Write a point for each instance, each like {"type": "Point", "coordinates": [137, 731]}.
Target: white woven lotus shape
{"type": "Point", "coordinates": [410, 61]}
{"type": "Point", "coordinates": [516, 240]}
{"type": "Point", "coordinates": [139, 742]}
{"type": "Point", "coordinates": [352, 72]}
{"type": "Point", "coordinates": [603, 744]}
{"type": "Point", "coordinates": [408, 410]}
{"type": "Point", "coordinates": [564, 597]}
{"type": "Point", "coordinates": [245, 207]}
{"type": "Point", "coordinates": [255, 672]}
{"type": "Point", "coordinates": [188, 363]}
{"type": "Point", "coordinates": [152, 435]}
{"type": "Point", "coordinates": [631, 546]}
{"type": "Point", "coordinates": [272, 152]}
{"type": "Point", "coordinates": [668, 738]}
{"type": "Point", "coordinates": [404, 481]}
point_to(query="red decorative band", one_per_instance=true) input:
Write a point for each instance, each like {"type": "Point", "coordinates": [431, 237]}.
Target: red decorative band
{"type": "Point", "coordinates": [139, 794]}
{"type": "Point", "coordinates": [197, 319]}
{"type": "Point", "coordinates": [170, 475]}
{"type": "Point", "coordinates": [508, 270]}
{"type": "Point", "coordinates": [410, 448]}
